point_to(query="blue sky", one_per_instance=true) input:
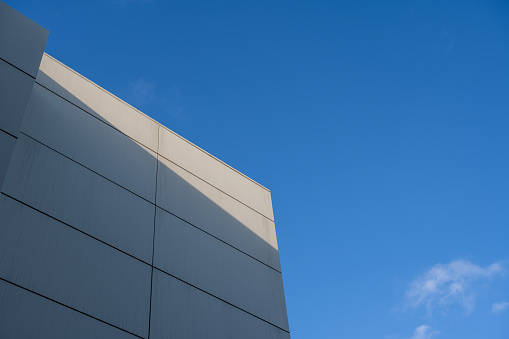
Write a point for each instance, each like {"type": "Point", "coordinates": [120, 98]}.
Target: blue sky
{"type": "Point", "coordinates": [381, 129]}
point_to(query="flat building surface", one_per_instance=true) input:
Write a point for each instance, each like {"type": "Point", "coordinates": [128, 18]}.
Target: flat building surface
{"type": "Point", "coordinates": [114, 226]}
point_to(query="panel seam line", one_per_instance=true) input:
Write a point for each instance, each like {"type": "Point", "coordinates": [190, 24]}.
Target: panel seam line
{"type": "Point", "coordinates": [157, 152]}
{"type": "Point", "coordinates": [75, 228]}
{"type": "Point", "coordinates": [150, 118]}
{"type": "Point", "coordinates": [224, 242]}
{"type": "Point", "coordinates": [19, 69]}
{"type": "Point", "coordinates": [69, 307]}
{"type": "Point", "coordinates": [139, 196]}
{"type": "Point", "coordinates": [2, 130]}
{"type": "Point", "coordinates": [220, 190]}
{"type": "Point", "coordinates": [130, 255]}
{"type": "Point", "coordinates": [153, 238]}
{"type": "Point", "coordinates": [226, 302]}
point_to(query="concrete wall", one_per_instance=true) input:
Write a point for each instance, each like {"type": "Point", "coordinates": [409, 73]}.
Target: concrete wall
{"type": "Point", "coordinates": [113, 226]}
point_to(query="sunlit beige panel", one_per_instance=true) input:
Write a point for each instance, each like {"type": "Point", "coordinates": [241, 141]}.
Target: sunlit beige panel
{"type": "Point", "coordinates": [206, 207]}
{"type": "Point", "coordinates": [97, 101]}
{"type": "Point", "coordinates": [215, 172]}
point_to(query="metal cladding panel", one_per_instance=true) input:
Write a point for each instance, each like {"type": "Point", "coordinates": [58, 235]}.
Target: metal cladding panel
{"type": "Point", "coordinates": [69, 130]}
{"type": "Point", "coordinates": [213, 171]}
{"type": "Point", "coordinates": [204, 206]}
{"type": "Point", "coordinates": [98, 102]}
{"type": "Point", "coordinates": [58, 262]}
{"type": "Point", "coordinates": [22, 40]}
{"type": "Point", "coordinates": [65, 190]}
{"type": "Point", "coordinates": [211, 265]}
{"type": "Point", "coordinates": [7, 143]}
{"type": "Point", "coordinates": [15, 88]}
{"type": "Point", "coordinates": [25, 315]}
{"type": "Point", "coordinates": [182, 311]}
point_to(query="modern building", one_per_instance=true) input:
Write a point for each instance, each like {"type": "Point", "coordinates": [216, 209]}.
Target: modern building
{"type": "Point", "coordinates": [112, 225]}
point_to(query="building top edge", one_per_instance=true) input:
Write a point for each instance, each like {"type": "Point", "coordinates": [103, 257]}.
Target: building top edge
{"type": "Point", "coordinates": [155, 121]}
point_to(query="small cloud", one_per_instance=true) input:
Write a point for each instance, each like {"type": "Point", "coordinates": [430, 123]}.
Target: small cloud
{"type": "Point", "coordinates": [177, 112]}
{"type": "Point", "coordinates": [140, 92]}
{"type": "Point", "coordinates": [446, 285]}
{"type": "Point", "coordinates": [499, 307]}
{"type": "Point", "coordinates": [423, 332]}
{"type": "Point", "coordinates": [447, 40]}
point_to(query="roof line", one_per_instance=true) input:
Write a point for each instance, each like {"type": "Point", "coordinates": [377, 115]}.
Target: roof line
{"type": "Point", "coordinates": [140, 112]}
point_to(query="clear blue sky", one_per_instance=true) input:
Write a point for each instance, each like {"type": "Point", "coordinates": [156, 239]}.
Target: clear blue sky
{"type": "Point", "coordinates": [381, 128]}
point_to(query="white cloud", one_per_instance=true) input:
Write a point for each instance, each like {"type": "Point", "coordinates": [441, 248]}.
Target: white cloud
{"type": "Point", "coordinates": [446, 285]}
{"type": "Point", "coordinates": [499, 307]}
{"type": "Point", "coordinates": [140, 92]}
{"type": "Point", "coordinates": [423, 332]}
{"type": "Point", "coordinates": [447, 40]}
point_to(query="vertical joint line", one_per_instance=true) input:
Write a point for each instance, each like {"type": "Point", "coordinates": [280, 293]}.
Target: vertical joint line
{"type": "Point", "coordinates": [153, 235]}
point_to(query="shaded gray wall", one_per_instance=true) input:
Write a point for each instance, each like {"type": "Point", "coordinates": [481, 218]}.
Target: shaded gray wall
{"type": "Point", "coordinates": [111, 225]}
{"type": "Point", "coordinates": [22, 43]}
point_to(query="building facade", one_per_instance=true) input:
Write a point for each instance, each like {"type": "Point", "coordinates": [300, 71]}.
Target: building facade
{"type": "Point", "coordinates": [112, 225]}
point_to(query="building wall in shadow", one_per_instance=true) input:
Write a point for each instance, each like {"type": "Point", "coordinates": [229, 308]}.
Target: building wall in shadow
{"type": "Point", "coordinates": [116, 223]}
{"type": "Point", "coordinates": [22, 43]}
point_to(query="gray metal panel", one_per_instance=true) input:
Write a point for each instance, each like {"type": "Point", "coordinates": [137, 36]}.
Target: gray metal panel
{"type": "Point", "coordinates": [22, 40]}
{"type": "Point", "coordinates": [64, 127]}
{"type": "Point", "coordinates": [71, 193]}
{"type": "Point", "coordinates": [181, 311]}
{"type": "Point", "coordinates": [207, 263]}
{"type": "Point", "coordinates": [215, 172]}
{"type": "Point", "coordinates": [7, 143]}
{"type": "Point", "coordinates": [95, 100]}
{"type": "Point", "coordinates": [54, 260]}
{"type": "Point", "coordinates": [201, 204]}
{"type": "Point", "coordinates": [15, 88]}
{"type": "Point", "coordinates": [25, 315]}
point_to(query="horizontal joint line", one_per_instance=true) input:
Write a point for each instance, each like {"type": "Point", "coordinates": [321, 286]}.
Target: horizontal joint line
{"type": "Point", "coordinates": [8, 133]}
{"type": "Point", "coordinates": [102, 176]}
{"type": "Point", "coordinates": [69, 307]}
{"type": "Point", "coordinates": [226, 302]}
{"type": "Point", "coordinates": [152, 266]}
{"type": "Point", "coordinates": [19, 69]}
